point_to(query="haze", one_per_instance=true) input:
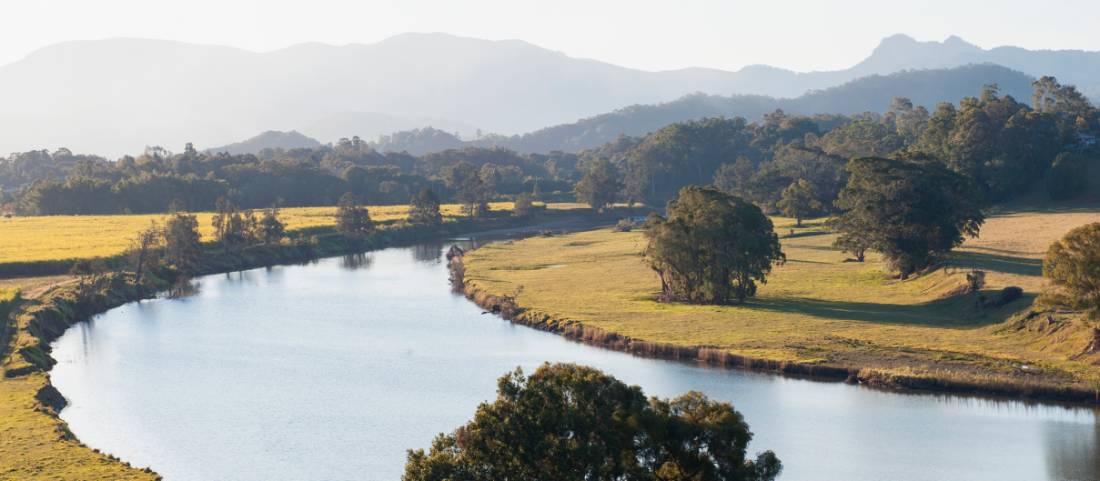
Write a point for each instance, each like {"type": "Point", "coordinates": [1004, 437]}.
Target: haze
{"type": "Point", "coordinates": [646, 35]}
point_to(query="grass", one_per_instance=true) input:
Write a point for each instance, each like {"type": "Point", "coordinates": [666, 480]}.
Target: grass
{"type": "Point", "coordinates": [818, 308]}
{"type": "Point", "coordinates": [49, 238]}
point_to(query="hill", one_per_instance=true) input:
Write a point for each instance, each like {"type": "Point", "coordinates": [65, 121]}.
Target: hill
{"type": "Point", "coordinates": [869, 94]}
{"type": "Point", "coordinates": [269, 140]}
{"type": "Point", "coordinates": [135, 92]}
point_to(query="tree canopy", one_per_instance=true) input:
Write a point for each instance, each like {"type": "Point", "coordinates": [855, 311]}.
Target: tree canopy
{"type": "Point", "coordinates": [1073, 266]}
{"type": "Point", "coordinates": [712, 248]}
{"type": "Point", "coordinates": [570, 422]}
{"type": "Point", "coordinates": [909, 211]}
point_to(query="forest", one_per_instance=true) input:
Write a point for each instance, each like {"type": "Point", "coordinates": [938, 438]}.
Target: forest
{"type": "Point", "coordinates": [783, 163]}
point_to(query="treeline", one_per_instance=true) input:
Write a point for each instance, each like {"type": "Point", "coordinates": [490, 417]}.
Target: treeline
{"type": "Point", "coordinates": [783, 163]}
{"type": "Point", "coordinates": [797, 165]}
{"type": "Point", "coordinates": [42, 182]}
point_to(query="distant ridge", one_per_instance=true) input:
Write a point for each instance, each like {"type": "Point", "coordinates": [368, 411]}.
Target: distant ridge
{"type": "Point", "coordinates": [134, 92]}
{"type": "Point", "coordinates": [269, 140]}
{"type": "Point", "coordinates": [869, 94]}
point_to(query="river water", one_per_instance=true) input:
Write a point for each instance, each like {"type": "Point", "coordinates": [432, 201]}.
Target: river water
{"type": "Point", "coordinates": [331, 370]}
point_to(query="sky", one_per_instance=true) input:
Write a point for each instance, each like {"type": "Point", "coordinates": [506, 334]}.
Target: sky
{"type": "Point", "coordinates": [801, 35]}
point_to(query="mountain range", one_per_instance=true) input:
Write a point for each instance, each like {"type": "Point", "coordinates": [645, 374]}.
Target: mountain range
{"type": "Point", "coordinates": [116, 96]}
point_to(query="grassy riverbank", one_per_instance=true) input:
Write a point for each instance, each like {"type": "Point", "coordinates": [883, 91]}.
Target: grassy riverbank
{"type": "Point", "coordinates": [819, 313]}
{"type": "Point", "coordinates": [57, 238]}
{"type": "Point", "coordinates": [35, 443]}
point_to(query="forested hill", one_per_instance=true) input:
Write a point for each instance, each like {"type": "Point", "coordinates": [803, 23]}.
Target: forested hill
{"type": "Point", "coordinates": [869, 94]}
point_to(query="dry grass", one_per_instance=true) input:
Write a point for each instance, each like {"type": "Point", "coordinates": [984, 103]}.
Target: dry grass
{"type": "Point", "coordinates": [43, 238]}
{"type": "Point", "coordinates": [817, 308]}
{"type": "Point", "coordinates": [33, 444]}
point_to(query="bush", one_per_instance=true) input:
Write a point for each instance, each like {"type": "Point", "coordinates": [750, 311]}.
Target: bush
{"type": "Point", "coordinates": [624, 225]}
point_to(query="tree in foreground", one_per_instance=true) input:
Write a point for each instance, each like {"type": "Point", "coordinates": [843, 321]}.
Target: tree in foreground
{"type": "Point", "coordinates": [712, 248]}
{"type": "Point", "coordinates": [352, 219]}
{"type": "Point", "coordinates": [799, 201]}
{"type": "Point", "coordinates": [910, 212]}
{"type": "Point", "coordinates": [1072, 265]}
{"type": "Point", "coordinates": [570, 422]}
{"type": "Point", "coordinates": [600, 186]}
{"type": "Point", "coordinates": [424, 208]}
{"type": "Point", "coordinates": [182, 243]}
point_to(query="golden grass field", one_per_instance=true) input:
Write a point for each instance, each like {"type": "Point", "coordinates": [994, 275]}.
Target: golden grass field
{"type": "Point", "coordinates": [817, 308]}
{"type": "Point", "coordinates": [43, 238]}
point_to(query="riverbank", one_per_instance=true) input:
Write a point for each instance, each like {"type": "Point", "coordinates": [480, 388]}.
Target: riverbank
{"type": "Point", "coordinates": [818, 315]}
{"type": "Point", "coordinates": [36, 444]}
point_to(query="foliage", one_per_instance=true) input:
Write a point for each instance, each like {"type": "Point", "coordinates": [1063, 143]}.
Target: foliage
{"type": "Point", "coordinates": [1068, 176]}
{"type": "Point", "coordinates": [572, 422]}
{"type": "Point", "coordinates": [352, 219]}
{"type": "Point", "coordinates": [600, 185]}
{"type": "Point", "coordinates": [1072, 265]}
{"type": "Point", "coordinates": [143, 250]}
{"type": "Point", "coordinates": [712, 248]}
{"type": "Point", "coordinates": [424, 208]}
{"type": "Point", "coordinates": [524, 206]}
{"type": "Point", "coordinates": [182, 242]}
{"type": "Point", "coordinates": [910, 212]}
{"type": "Point", "coordinates": [470, 189]}
{"type": "Point", "coordinates": [798, 200]}
{"type": "Point", "coordinates": [270, 229]}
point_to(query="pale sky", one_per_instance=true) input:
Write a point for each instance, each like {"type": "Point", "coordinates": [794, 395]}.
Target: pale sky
{"type": "Point", "coordinates": [797, 34]}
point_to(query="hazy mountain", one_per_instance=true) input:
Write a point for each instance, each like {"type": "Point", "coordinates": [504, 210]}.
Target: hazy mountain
{"type": "Point", "coordinates": [869, 94]}
{"type": "Point", "coordinates": [372, 125]}
{"type": "Point", "coordinates": [269, 140]}
{"type": "Point", "coordinates": [117, 96]}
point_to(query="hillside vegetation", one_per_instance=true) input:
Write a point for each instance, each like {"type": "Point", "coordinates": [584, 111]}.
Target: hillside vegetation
{"type": "Point", "coordinates": [819, 308]}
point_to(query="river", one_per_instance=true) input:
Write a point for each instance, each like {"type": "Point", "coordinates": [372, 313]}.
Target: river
{"type": "Point", "coordinates": [331, 370]}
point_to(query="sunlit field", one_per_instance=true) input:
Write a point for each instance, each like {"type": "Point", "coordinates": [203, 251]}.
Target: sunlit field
{"type": "Point", "coordinates": [43, 238]}
{"type": "Point", "coordinates": [819, 307]}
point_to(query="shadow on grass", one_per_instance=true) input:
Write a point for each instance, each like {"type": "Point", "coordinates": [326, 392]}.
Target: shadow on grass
{"type": "Point", "coordinates": [959, 312]}
{"type": "Point", "coordinates": [996, 263]}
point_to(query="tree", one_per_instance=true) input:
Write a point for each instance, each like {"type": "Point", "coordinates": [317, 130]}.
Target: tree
{"type": "Point", "coordinates": [143, 249]}
{"type": "Point", "coordinates": [798, 200]}
{"type": "Point", "coordinates": [424, 208]}
{"type": "Point", "coordinates": [523, 206]}
{"type": "Point", "coordinates": [470, 189]}
{"type": "Point", "coordinates": [182, 242]}
{"type": "Point", "coordinates": [270, 229]}
{"type": "Point", "coordinates": [600, 185]}
{"type": "Point", "coordinates": [570, 422]}
{"type": "Point", "coordinates": [1073, 266]}
{"type": "Point", "coordinates": [910, 212]}
{"type": "Point", "coordinates": [352, 219]}
{"type": "Point", "coordinates": [711, 248]}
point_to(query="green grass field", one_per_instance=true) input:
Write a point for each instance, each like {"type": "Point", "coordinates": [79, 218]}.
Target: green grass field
{"type": "Point", "coordinates": [818, 307]}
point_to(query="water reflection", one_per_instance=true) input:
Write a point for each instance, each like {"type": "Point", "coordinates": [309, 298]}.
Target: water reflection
{"type": "Point", "coordinates": [359, 260]}
{"type": "Point", "coordinates": [429, 252]}
{"type": "Point", "coordinates": [1072, 452]}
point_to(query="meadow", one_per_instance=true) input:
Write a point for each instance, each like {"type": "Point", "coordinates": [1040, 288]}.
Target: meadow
{"type": "Point", "coordinates": [820, 307]}
{"type": "Point", "coordinates": [47, 238]}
